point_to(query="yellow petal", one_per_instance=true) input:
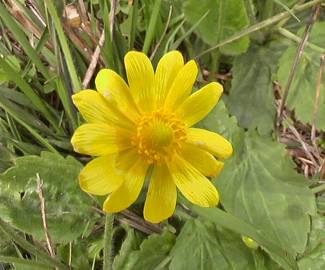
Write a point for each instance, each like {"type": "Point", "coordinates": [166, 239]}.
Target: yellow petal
{"type": "Point", "coordinates": [167, 69]}
{"type": "Point", "coordinates": [199, 104]}
{"type": "Point", "coordinates": [126, 159]}
{"type": "Point", "coordinates": [100, 139]}
{"type": "Point", "coordinates": [140, 76]}
{"type": "Point", "coordinates": [129, 191]}
{"type": "Point", "coordinates": [161, 197]}
{"type": "Point", "coordinates": [193, 185]}
{"type": "Point", "coordinates": [99, 176]}
{"type": "Point", "coordinates": [202, 160]}
{"type": "Point", "coordinates": [112, 86]}
{"type": "Point", "coordinates": [182, 85]}
{"type": "Point", "coordinates": [210, 141]}
{"type": "Point", "coordinates": [96, 109]}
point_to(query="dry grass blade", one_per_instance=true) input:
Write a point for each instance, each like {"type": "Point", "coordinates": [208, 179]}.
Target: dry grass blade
{"type": "Point", "coordinates": [94, 61]}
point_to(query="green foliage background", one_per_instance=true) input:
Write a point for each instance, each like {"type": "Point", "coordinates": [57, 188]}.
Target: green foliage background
{"type": "Point", "coordinates": [248, 45]}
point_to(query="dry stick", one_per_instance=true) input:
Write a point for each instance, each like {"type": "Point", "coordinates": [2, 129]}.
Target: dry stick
{"type": "Point", "coordinates": [316, 103]}
{"type": "Point", "coordinates": [43, 211]}
{"type": "Point", "coordinates": [93, 61]}
{"type": "Point", "coordinates": [95, 56]}
{"type": "Point", "coordinates": [294, 66]}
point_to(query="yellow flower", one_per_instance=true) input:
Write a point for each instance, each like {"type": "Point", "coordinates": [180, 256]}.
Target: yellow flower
{"type": "Point", "coordinates": [143, 130]}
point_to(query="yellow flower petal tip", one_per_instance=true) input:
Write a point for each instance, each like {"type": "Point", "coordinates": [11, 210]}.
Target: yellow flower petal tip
{"type": "Point", "coordinates": [146, 123]}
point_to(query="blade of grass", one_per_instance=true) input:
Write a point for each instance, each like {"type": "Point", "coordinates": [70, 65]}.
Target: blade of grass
{"type": "Point", "coordinates": [38, 48]}
{"type": "Point", "coordinates": [163, 33]}
{"type": "Point", "coordinates": [133, 28]}
{"type": "Point", "coordinates": [25, 263]}
{"type": "Point", "coordinates": [38, 137]}
{"type": "Point", "coordinates": [23, 114]}
{"type": "Point", "coordinates": [9, 232]}
{"type": "Point", "coordinates": [180, 39]}
{"type": "Point", "coordinates": [22, 40]}
{"type": "Point", "coordinates": [29, 92]}
{"type": "Point", "coordinates": [12, 127]}
{"type": "Point", "coordinates": [150, 33]}
{"type": "Point", "coordinates": [66, 102]}
{"type": "Point", "coordinates": [297, 39]}
{"type": "Point", "coordinates": [172, 35]}
{"type": "Point", "coordinates": [65, 46]}
{"type": "Point", "coordinates": [287, 9]}
{"type": "Point", "coordinates": [108, 48]}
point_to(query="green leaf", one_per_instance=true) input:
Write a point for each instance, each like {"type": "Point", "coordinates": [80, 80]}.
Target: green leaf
{"type": "Point", "coordinates": [302, 92]}
{"type": "Point", "coordinates": [153, 253]}
{"type": "Point", "coordinates": [225, 18]}
{"type": "Point", "coordinates": [131, 243]}
{"type": "Point", "coordinates": [23, 264]}
{"type": "Point", "coordinates": [201, 246]}
{"type": "Point", "coordinates": [314, 254]}
{"type": "Point", "coordinates": [251, 97]}
{"type": "Point", "coordinates": [219, 121]}
{"type": "Point", "coordinates": [260, 185]}
{"type": "Point", "coordinates": [67, 207]}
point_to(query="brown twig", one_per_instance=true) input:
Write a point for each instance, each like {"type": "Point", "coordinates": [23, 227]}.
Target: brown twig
{"type": "Point", "coordinates": [93, 62]}
{"type": "Point", "coordinates": [43, 214]}
{"type": "Point", "coordinates": [296, 61]}
{"type": "Point", "coordinates": [316, 103]}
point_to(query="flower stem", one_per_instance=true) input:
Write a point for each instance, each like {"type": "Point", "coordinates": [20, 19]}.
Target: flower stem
{"type": "Point", "coordinates": [108, 235]}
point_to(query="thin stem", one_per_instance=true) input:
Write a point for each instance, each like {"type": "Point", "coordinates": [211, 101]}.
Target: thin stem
{"type": "Point", "coordinates": [108, 235]}
{"type": "Point", "coordinates": [295, 38]}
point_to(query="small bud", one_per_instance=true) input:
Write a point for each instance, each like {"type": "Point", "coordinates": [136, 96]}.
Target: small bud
{"type": "Point", "coordinates": [249, 242]}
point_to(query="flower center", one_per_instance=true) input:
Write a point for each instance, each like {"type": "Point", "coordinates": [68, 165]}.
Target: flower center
{"type": "Point", "coordinates": [159, 135]}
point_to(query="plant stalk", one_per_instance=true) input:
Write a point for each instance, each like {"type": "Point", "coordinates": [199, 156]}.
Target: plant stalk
{"type": "Point", "coordinates": [108, 236]}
